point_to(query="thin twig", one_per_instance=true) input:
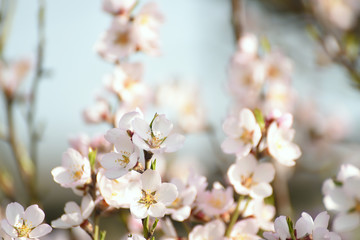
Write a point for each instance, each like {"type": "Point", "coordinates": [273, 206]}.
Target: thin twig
{"type": "Point", "coordinates": [237, 17]}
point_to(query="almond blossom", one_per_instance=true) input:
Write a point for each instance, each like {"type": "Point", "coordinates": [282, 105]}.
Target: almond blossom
{"type": "Point", "coordinates": [75, 170]}
{"type": "Point", "coordinates": [151, 198]}
{"type": "Point", "coordinates": [124, 158]}
{"type": "Point", "coordinates": [75, 215]}
{"type": "Point", "coordinates": [261, 212]}
{"type": "Point", "coordinates": [245, 229]}
{"type": "Point", "coordinates": [251, 178]}
{"type": "Point", "coordinates": [280, 145]}
{"type": "Point", "coordinates": [23, 224]}
{"type": "Point", "coordinates": [180, 209]}
{"type": "Point", "coordinates": [157, 136]}
{"type": "Point", "coordinates": [215, 202]}
{"type": "Point", "coordinates": [243, 133]}
{"type": "Point", "coordinates": [213, 230]}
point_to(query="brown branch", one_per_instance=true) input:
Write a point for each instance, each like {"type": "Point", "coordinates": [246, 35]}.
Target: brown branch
{"type": "Point", "coordinates": [236, 17]}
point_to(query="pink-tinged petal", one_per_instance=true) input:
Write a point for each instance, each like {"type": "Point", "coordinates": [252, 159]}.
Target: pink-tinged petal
{"type": "Point", "coordinates": [124, 144]}
{"type": "Point", "coordinates": [261, 190]}
{"type": "Point", "coordinates": [59, 223]}
{"type": "Point", "coordinates": [189, 195]}
{"type": "Point", "coordinates": [256, 135]}
{"type": "Point", "coordinates": [125, 122]}
{"type": "Point", "coordinates": [328, 186]}
{"type": "Point", "coordinates": [344, 222]}
{"type": "Point", "coordinates": [73, 219]}
{"type": "Point", "coordinates": [115, 173]}
{"type": "Point", "coordinates": [216, 229]}
{"type": "Point", "coordinates": [320, 233]}
{"type": "Point", "coordinates": [167, 193]}
{"type": "Point", "coordinates": [157, 210]}
{"type": "Point", "coordinates": [347, 171]}
{"type": "Point", "coordinates": [87, 206]}
{"type": "Point", "coordinates": [271, 236]}
{"type": "Point", "coordinates": [34, 215]}
{"type": "Point", "coordinates": [72, 207]}
{"type": "Point", "coordinates": [264, 172]}
{"type": "Point", "coordinates": [40, 231]}
{"type": "Point", "coordinates": [14, 213]}
{"type": "Point", "coordinates": [108, 161]}
{"type": "Point", "coordinates": [246, 165]}
{"type": "Point", "coordinates": [304, 225]}
{"type": "Point", "coordinates": [174, 142]}
{"type": "Point", "coordinates": [161, 126]}
{"type": "Point", "coordinates": [231, 145]}
{"type": "Point", "coordinates": [71, 157]}
{"type": "Point", "coordinates": [321, 220]}
{"type": "Point", "coordinates": [138, 210]}
{"type": "Point", "coordinates": [113, 134]}
{"type": "Point", "coordinates": [231, 127]}
{"type": "Point", "coordinates": [62, 176]}
{"type": "Point", "coordinates": [8, 228]}
{"type": "Point", "coordinates": [247, 119]}
{"type": "Point", "coordinates": [351, 186]}
{"type": "Point", "coordinates": [181, 214]}
{"type": "Point", "coordinates": [338, 200]}
{"type": "Point", "coordinates": [246, 226]}
{"type": "Point", "coordinates": [133, 160]}
{"type": "Point", "coordinates": [140, 143]}
{"type": "Point", "coordinates": [151, 180]}
{"type": "Point", "coordinates": [141, 128]}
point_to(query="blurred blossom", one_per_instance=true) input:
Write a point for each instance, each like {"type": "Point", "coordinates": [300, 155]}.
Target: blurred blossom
{"type": "Point", "coordinates": [99, 112]}
{"type": "Point", "coordinates": [75, 215]}
{"type": "Point", "coordinates": [215, 202]}
{"type": "Point", "coordinates": [263, 213]}
{"type": "Point", "coordinates": [118, 7]}
{"type": "Point", "coordinates": [12, 74]}
{"type": "Point", "coordinates": [245, 229]}
{"type": "Point", "coordinates": [184, 99]}
{"type": "Point", "coordinates": [213, 230]}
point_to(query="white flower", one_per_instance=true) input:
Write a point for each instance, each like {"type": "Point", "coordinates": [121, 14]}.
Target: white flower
{"type": "Point", "coordinates": [180, 209]}
{"type": "Point", "coordinates": [213, 230]}
{"type": "Point", "coordinates": [251, 178]}
{"type": "Point", "coordinates": [217, 201]}
{"type": "Point", "coordinates": [245, 229]}
{"type": "Point", "coordinates": [23, 225]}
{"type": "Point", "coordinates": [75, 170]}
{"type": "Point", "coordinates": [118, 193]}
{"type": "Point", "coordinates": [280, 145]}
{"type": "Point", "coordinates": [74, 214]}
{"type": "Point", "coordinates": [243, 133]}
{"type": "Point", "coordinates": [156, 138]}
{"type": "Point", "coordinates": [125, 157]}
{"type": "Point", "coordinates": [99, 112]}
{"type": "Point", "coordinates": [151, 198]}
{"type": "Point", "coordinates": [118, 7]}
{"type": "Point", "coordinates": [261, 212]}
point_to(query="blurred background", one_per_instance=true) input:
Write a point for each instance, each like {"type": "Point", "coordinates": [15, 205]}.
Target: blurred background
{"type": "Point", "coordinates": [197, 43]}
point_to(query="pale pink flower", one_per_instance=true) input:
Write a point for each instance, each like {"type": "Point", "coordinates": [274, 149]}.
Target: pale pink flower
{"type": "Point", "coordinates": [118, 41]}
{"type": "Point", "coordinates": [215, 202]}
{"type": "Point", "coordinates": [245, 229]}
{"type": "Point", "coordinates": [75, 215]}
{"type": "Point", "coordinates": [151, 198]}
{"type": "Point", "coordinates": [213, 230]}
{"type": "Point", "coordinates": [118, 192]}
{"type": "Point", "coordinates": [12, 75]}
{"type": "Point", "coordinates": [180, 209]}
{"type": "Point", "coordinates": [99, 112]}
{"type": "Point", "coordinates": [278, 67]}
{"type": "Point", "coordinates": [75, 170]}
{"type": "Point", "coordinates": [158, 137]}
{"type": "Point", "coordinates": [124, 126]}
{"type": "Point", "coordinates": [243, 133]}
{"type": "Point", "coordinates": [251, 178]}
{"type": "Point", "coordinates": [261, 212]}
{"type": "Point", "coordinates": [118, 7]}
{"type": "Point", "coordinates": [280, 145]}
{"type": "Point", "coordinates": [23, 225]}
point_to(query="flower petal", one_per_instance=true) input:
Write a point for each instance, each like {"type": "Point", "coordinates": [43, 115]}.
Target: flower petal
{"type": "Point", "coordinates": [14, 213]}
{"type": "Point", "coordinates": [141, 128]}
{"type": "Point", "coordinates": [345, 222]}
{"type": "Point", "coordinates": [157, 210]}
{"type": "Point", "coordinates": [40, 231]}
{"type": "Point", "coordinates": [264, 172]}
{"type": "Point", "coordinates": [173, 142]}
{"type": "Point", "coordinates": [87, 206]}
{"type": "Point", "coordinates": [34, 215]}
{"type": "Point", "coordinates": [161, 126]}
{"type": "Point", "coordinates": [167, 193]}
{"type": "Point", "coordinates": [138, 210]}
{"type": "Point", "coordinates": [8, 228]}
{"type": "Point", "coordinates": [150, 180]}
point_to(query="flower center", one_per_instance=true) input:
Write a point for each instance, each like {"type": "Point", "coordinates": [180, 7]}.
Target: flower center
{"type": "Point", "coordinates": [123, 162]}
{"type": "Point", "coordinates": [176, 203]}
{"type": "Point", "coordinates": [246, 136]}
{"type": "Point", "coordinates": [122, 38]}
{"type": "Point", "coordinates": [246, 181]}
{"type": "Point", "coordinates": [216, 202]}
{"type": "Point", "coordinates": [148, 198]}
{"type": "Point", "coordinates": [23, 230]}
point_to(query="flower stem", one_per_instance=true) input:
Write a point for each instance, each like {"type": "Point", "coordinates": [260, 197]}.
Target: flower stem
{"type": "Point", "coordinates": [145, 223]}
{"type": "Point", "coordinates": [235, 216]}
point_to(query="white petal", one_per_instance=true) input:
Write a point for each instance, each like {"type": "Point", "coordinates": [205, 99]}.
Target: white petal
{"type": "Point", "coordinates": [59, 223]}
{"type": "Point", "coordinates": [247, 119]}
{"type": "Point", "coordinates": [125, 122]}
{"type": "Point", "coordinates": [321, 220]}
{"type": "Point", "coordinates": [261, 190]}
{"type": "Point", "coordinates": [167, 193]}
{"type": "Point", "coordinates": [116, 173]}
{"type": "Point", "coordinates": [40, 231]}
{"type": "Point", "coordinates": [8, 228]}
{"type": "Point", "coordinates": [281, 227]}
{"type": "Point", "coordinates": [124, 144]}
{"type": "Point", "coordinates": [139, 142]}
{"type": "Point", "coordinates": [231, 145]}
{"type": "Point", "coordinates": [113, 134]}
{"type": "Point", "coordinates": [14, 213]}
{"type": "Point", "coordinates": [138, 210]}
{"type": "Point", "coordinates": [181, 214]}
{"type": "Point", "coordinates": [108, 161]}
{"type": "Point", "coordinates": [231, 127]}
{"type": "Point", "coordinates": [34, 215]}
{"type": "Point", "coordinates": [346, 222]}
{"type": "Point", "coordinates": [157, 210]}
{"type": "Point", "coordinates": [71, 157]}
{"type": "Point", "coordinates": [246, 226]}
{"type": "Point", "coordinates": [264, 172]}
{"type": "Point", "coordinates": [141, 128]}
{"type": "Point", "coordinates": [304, 225]}
{"type": "Point", "coordinates": [173, 142]}
{"type": "Point", "coordinates": [162, 125]}
{"type": "Point", "coordinates": [150, 180]}
{"type": "Point", "coordinates": [62, 176]}
{"type": "Point", "coordinates": [87, 206]}
{"type": "Point", "coordinates": [72, 207]}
